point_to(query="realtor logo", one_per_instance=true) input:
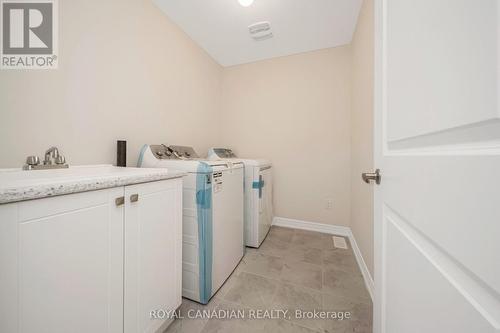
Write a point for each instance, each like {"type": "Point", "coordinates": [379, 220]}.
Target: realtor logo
{"type": "Point", "coordinates": [29, 34]}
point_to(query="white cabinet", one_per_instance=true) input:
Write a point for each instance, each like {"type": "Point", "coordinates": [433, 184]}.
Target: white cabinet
{"type": "Point", "coordinates": [73, 263]}
{"type": "Point", "coordinates": [153, 253]}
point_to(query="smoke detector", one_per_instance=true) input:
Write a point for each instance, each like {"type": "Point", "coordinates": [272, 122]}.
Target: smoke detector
{"type": "Point", "coordinates": [260, 30]}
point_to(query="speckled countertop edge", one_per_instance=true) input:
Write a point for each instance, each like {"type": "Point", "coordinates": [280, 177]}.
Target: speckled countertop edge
{"type": "Point", "coordinates": [10, 195]}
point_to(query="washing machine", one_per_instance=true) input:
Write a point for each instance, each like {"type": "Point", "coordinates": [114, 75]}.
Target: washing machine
{"type": "Point", "coordinates": [258, 194]}
{"type": "Point", "coordinates": [212, 219]}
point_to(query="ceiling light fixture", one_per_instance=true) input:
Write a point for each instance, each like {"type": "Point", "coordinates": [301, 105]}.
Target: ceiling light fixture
{"type": "Point", "coordinates": [245, 3]}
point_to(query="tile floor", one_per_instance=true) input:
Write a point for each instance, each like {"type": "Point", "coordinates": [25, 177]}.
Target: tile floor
{"type": "Point", "coordinates": [292, 270]}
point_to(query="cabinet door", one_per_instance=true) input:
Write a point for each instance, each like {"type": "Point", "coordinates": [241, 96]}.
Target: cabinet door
{"type": "Point", "coordinates": [61, 264]}
{"type": "Point", "coordinates": [153, 252]}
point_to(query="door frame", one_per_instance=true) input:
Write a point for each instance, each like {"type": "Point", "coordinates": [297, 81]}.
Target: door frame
{"type": "Point", "coordinates": [378, 103]}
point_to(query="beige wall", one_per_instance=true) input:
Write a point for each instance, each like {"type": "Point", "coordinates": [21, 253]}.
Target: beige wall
{"type": "Point", "coordinates": [362, 132]}
{"type": "Point", "coordinates": [125, 71]}
{"type": "Point", "coordinates": [295, 111]}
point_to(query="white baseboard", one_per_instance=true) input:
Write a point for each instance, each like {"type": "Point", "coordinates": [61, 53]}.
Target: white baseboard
{"type": "Point", "coordinates": [312, 226]}
{"type": "Point", "coordinates": [362, 265]}
{"type": "Point", "coordinates": [334, 230]}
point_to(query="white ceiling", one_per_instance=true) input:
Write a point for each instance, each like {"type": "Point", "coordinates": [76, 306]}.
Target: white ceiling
{"type": "Point", "coordinates": [221, 26]}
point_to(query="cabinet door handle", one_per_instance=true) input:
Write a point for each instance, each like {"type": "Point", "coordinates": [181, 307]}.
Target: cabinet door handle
{"type": "Point", "coordinates": [119, 201]}
{"type": "Point", "coordinates": [134, 198]}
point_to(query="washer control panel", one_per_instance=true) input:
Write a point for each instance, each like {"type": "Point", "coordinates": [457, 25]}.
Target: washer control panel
{"type": "Point", "coordinates": [184, 152]}
{"type": "Point", "coordinates": [164, 152]}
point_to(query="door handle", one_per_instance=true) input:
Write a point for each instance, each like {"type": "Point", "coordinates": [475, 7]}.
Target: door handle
{"type": "Point", "coordinates": [369, 176]}
{"type": "Point", "coordinates": [134, 198]}
{"type": "Point", "coordinates": [119, 201]}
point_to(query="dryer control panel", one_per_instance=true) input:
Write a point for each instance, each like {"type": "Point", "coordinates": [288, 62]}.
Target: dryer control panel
{"type": "Point", "coordinates": [224, 153]}
{"type": "Point", "coordinates": [164, 152]}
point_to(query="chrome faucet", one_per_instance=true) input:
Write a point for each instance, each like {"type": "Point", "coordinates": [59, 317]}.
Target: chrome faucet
{"type": "Point", "coordinates": [52, 157]}
{"type": "Point", "coordinates": [52, 160]}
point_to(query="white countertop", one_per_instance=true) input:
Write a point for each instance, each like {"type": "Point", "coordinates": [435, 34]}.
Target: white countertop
{"type": "Point", "coordinates": [20, 185]}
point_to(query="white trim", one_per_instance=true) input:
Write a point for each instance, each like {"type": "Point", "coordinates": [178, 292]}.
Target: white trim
{"type": "Point", "coordinates": [333, 230]}
{"type": "Point", "coordinates": [362, 265]}
{"type": "Point", "coordinates": [312, 226]}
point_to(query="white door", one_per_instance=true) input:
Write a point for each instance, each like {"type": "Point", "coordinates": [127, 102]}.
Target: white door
{"type": "Point", "coordinates": [153, 253]}
{"type": "Point", "coordinates": [437, 133]}
{"type": "Point", "coordinates": [61, 264]}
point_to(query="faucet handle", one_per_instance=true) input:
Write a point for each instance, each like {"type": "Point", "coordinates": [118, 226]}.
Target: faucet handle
{"type": "Point", "coordinates": [60, 159]}
{"type": "Point", "coordinates": [32, 160]}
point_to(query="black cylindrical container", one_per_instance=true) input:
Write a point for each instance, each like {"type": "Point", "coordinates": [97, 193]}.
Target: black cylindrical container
{"type": "Point", "coordinates": [121, 153]}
